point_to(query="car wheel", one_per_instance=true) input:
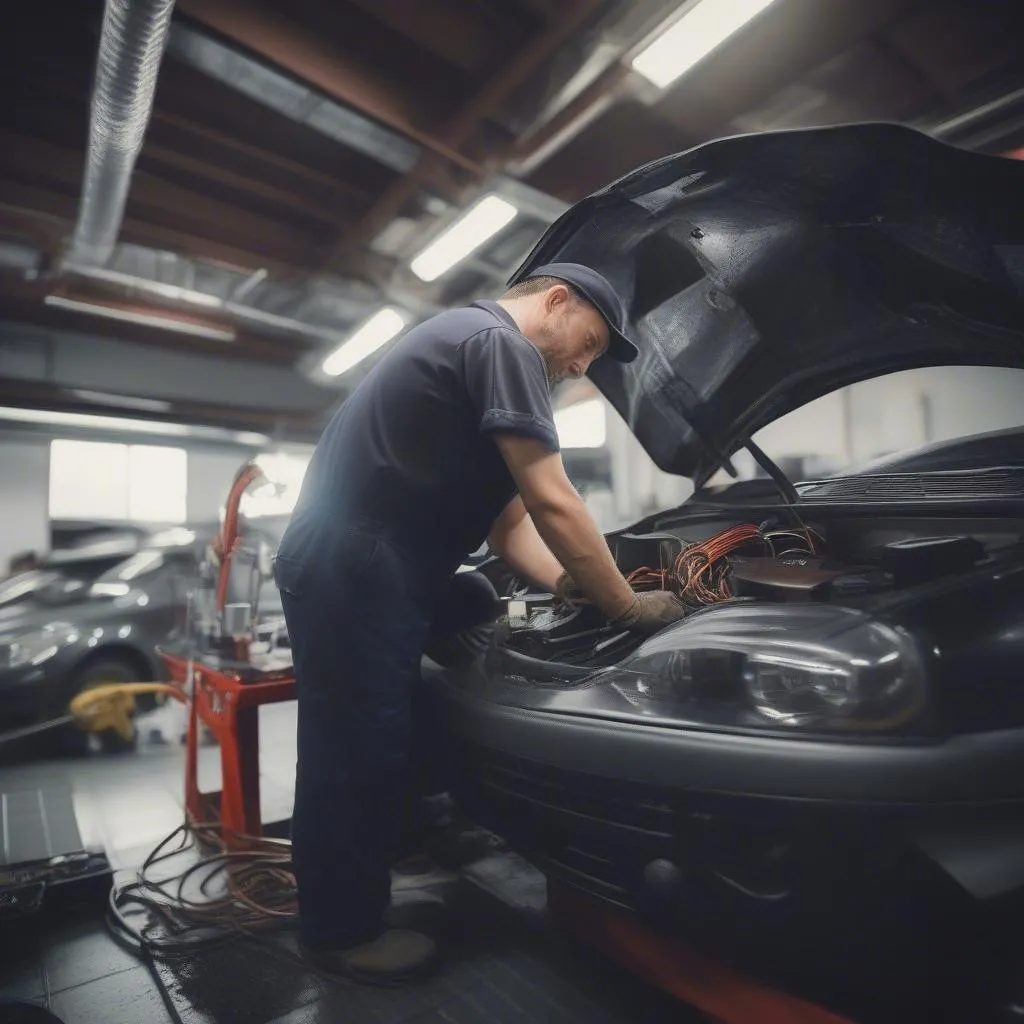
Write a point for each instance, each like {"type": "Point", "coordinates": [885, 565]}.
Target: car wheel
{"type": "Point", "coordinates": [110, 670]}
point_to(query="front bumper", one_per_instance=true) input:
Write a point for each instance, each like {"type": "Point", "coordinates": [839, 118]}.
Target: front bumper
{"type": "Point", "coordinates": [778, 850]}
{"type": "Point", "coordinates": [976, 769]}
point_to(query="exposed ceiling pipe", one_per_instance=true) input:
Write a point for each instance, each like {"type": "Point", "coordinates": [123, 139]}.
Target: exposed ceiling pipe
{"type": "Point", "coordinates": [214, 303]}
{"type": "Point", "coordinates": [132, 44]}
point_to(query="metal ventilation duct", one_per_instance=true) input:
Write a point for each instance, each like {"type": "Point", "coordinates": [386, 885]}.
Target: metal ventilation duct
{"type": "Point", "coordinates": [131, 46]}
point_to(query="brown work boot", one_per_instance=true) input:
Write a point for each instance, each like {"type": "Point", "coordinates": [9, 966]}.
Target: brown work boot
{"type": "Point", "coordinates": [395, 956]}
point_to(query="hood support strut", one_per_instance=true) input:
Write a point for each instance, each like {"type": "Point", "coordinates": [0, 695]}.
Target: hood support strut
{"type": "Point", "coordinates": [784, 484]}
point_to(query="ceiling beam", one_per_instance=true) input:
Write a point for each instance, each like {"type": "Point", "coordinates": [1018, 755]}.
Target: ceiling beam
{"type": "Point", "coordinates": [313, 59]}
{"type": "Point", "coordinates": [154, 156]}
{"type": "Point", "coordinates": [54, 110]}
{"type": "Point", "coordinates": [527, 61]}
{"type": "Point", "coordinates": [43, 160]}
{"type": "Point", "coordinates": [48, 206]}
{"type": "Point", "coordinates": [343, 191]}
{"type": "Point", "coordinates": [23, 302]}
{"type": "Point", "coordinates": [451, 29]}
{"type": "Point", "coordinates": [291, 425]}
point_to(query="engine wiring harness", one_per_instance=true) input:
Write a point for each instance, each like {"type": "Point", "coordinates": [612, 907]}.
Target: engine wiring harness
{"type": "Point", "coordinates": [699, 575]}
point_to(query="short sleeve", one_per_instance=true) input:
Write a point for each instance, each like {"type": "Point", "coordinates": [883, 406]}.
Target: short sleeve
{"type": "Point", "coordinates": [508, 386]}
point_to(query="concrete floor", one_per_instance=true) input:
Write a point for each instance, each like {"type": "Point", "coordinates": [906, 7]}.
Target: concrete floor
{"type": "Point", "coordinates": [504, 969]}
{"type": "Point", "coordinates": [125, 804]}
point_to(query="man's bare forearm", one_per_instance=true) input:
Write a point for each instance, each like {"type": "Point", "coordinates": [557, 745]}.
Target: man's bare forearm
{"type": "Point", "coordinates": [525, 552]}
{"type": "Point", "coordinates": [564, 524]}
{"type": "Point", "coordinates": [573, 537]}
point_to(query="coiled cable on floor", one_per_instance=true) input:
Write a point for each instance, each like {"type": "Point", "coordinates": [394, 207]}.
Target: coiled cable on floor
{"type": "Point", "coordinates": [218, 895]}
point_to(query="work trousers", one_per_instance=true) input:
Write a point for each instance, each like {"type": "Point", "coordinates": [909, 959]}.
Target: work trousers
{"type": "Point", "coordinates": [358, 612]}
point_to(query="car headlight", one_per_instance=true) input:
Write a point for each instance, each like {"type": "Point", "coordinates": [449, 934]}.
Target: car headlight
{"type": "Point", "coordinates": [37, 647]}
{"type": "Point", "coordinates": [811, 666]}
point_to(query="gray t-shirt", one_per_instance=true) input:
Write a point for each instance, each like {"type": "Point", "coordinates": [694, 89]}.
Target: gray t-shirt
{"type": "Point", "coordinates": [411, 452]}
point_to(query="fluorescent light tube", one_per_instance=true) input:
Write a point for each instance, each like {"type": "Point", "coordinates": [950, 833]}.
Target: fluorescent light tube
{"type": "Point", "coordinates": [481, 221]}
{"type": "Point", "coordinates": [85, 421]}
{"type": "Point", "coordinates": [702, 29]}
{"type": "Point", "coordinates": [122, 401]}
{"type": "Point", "coordinates": [376, 332]}
{"type": "Point", "coordinates": [143, 319]}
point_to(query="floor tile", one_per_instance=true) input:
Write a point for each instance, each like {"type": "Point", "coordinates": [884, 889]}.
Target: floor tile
{"type": "Point", "coordinates": [83, 952]}
{"type": "Point", "coordinates": [22, 978]}
{"type": "Point", "coordinates": [130, 997]}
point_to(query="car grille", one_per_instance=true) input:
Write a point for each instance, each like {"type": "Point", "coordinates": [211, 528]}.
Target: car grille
{"type": "Point", "coordinates": [594, 833]}
{"type": "Point", "coordinates": [989, 484]}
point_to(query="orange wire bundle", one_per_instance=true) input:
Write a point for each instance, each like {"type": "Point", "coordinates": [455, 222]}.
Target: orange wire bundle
{"type": "Point", "coordinates": [697, 568]}
{"type": "Point", "coordinates": [698, 575]}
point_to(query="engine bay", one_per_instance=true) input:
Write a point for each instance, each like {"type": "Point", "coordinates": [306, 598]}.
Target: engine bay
{"type": "Point", "coordinates": [772, 561]}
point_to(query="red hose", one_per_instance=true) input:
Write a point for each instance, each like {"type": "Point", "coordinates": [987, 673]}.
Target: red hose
{"type": "Point", "coordinates": [228, 537]}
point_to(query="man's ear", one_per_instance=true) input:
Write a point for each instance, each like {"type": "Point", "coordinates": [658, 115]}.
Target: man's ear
{"type": "Point", "coordinates": [557, 298]}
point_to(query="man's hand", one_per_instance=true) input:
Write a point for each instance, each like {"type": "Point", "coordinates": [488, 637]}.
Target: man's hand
{"type": "Point", "coordinates": [567, 591]}
{"type": "Point", "coordinates": [651, 611]}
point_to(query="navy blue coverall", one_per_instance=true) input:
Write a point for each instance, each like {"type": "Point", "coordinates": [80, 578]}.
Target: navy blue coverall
{"type": "Point", "coordinates": [404, 483]}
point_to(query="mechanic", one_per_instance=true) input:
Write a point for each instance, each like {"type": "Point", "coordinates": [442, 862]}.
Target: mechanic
{"type": "Point", "coordinates": [448, 441]}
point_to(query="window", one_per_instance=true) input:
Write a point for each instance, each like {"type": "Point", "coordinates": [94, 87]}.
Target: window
{"type": "Point", "coordinates": [582, 425]}
{"type": "Point", "coordinates": [118, 482]}
{"type": "Point", "coordinates": [884, 415]}
{"type": "Point", "coordinates": [277, 495]}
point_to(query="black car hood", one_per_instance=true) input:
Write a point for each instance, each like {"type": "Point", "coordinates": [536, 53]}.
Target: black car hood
{"type": "Point", "coordinates": [763, 271]}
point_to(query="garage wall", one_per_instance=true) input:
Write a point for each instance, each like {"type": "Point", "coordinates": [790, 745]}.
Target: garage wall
{"type": "Point", "coordinates": [24, 490]}
{"type": "Point", "coordinates": [639, 487]}
{"type": "Point", "coordinates": [902, 410]}
{"type": "Point", "coordinates": [210, 472]}
{"type": "Point", "coordinates": [25, 487]}
{"type": "Point", "coordinates": [934, 404]}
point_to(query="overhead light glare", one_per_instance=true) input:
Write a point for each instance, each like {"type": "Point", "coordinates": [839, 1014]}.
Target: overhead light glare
{"type": "Point", "coordinates": [583, 425]}
{"type": "Point", "coordinates": [86, 421]}
{"type": "Point", "coordinates": [367, 339]}
{"type": "Point", "coordinates": [480, 222]}
{"type": "Point", "coordinates": [142, 319]}
{"type": "Point", "coordinates": [122, 401]}
{"type": "Point", "coordinates": [701, 30]}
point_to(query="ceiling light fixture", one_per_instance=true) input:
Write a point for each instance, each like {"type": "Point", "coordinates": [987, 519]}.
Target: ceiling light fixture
{"type": "Point", "coordinates": [142, 319]}
{"type": "Point", "coordinates": [702, 29]}
{"type": "Point", "coordinates": [365, 340]}
{"type": "Point", "coordinates": [480, 222]}
{"type": "Point", "coordinates": [122, 401]}
{"type": "Point", "coordinates": [86, 421]}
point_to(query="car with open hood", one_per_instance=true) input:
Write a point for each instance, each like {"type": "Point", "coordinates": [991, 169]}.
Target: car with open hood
{"type": "Point", "coordinates": [820, 769]}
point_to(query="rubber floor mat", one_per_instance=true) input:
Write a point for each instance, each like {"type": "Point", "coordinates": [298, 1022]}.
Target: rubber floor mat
{"type": "Point", "coordinates": [499, 968]}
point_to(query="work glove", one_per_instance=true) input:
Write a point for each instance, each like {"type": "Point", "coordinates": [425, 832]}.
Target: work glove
{"type": "Point", "coordinates": [651, 611]}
